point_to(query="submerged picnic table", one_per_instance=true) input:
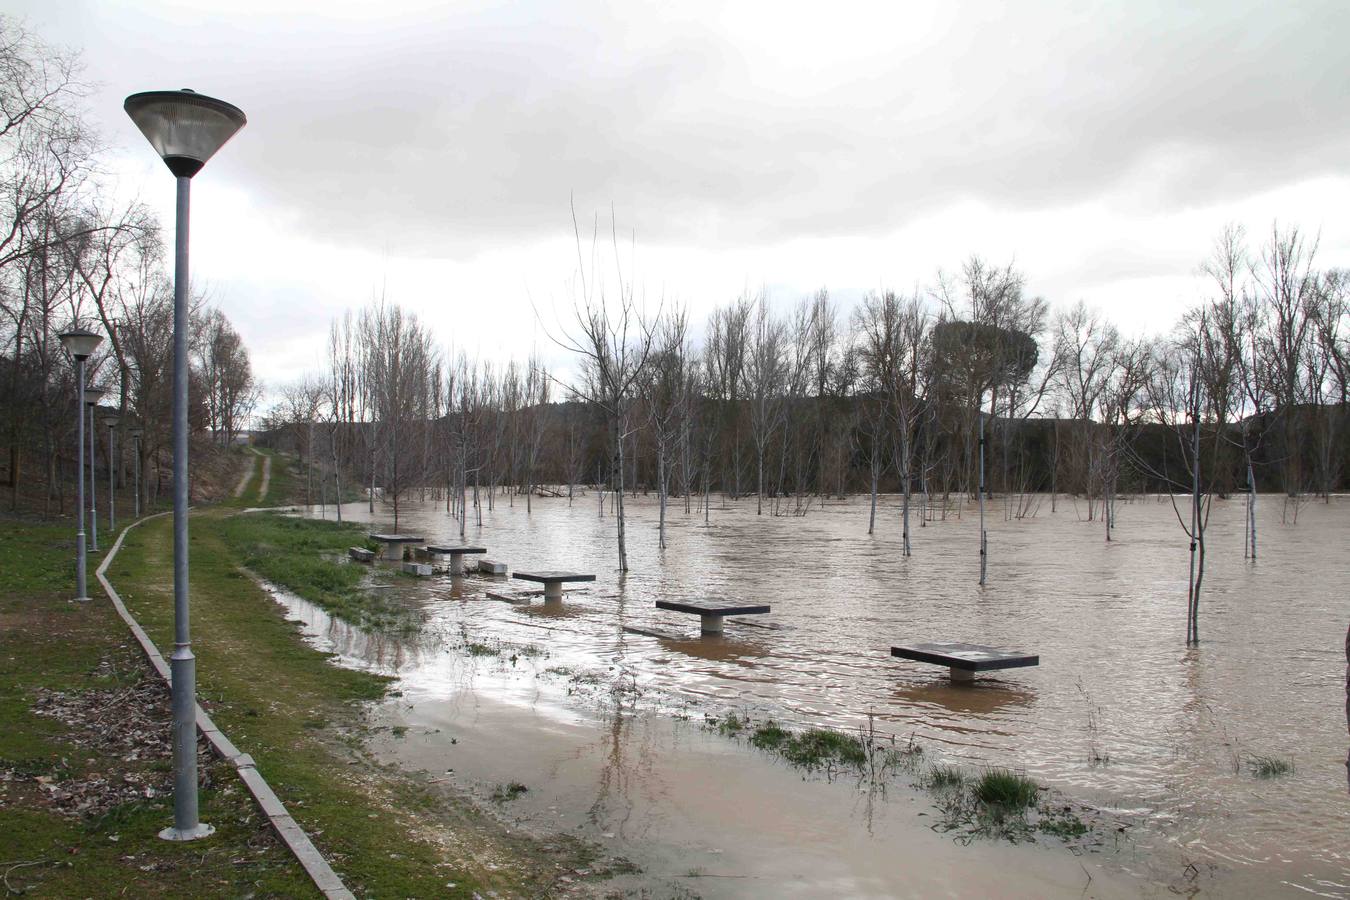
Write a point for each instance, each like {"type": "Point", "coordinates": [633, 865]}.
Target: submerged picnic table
{"type": "Point", "coordinates": [711, 614]}
{"type": "Point", "coordinates": [456, 555]}
{"type": "Point", "coordinates": [393, 544]}
{"type": "Point", "coordinates": [552, 582]}
{"type": "Point", "coordinates": [964, 660]}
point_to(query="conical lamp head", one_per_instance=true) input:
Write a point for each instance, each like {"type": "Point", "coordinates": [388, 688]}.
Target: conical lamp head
{"type": "Point", "coordinates": [80, 343]}
{"type": "Point", "coordinates": [184, 127]}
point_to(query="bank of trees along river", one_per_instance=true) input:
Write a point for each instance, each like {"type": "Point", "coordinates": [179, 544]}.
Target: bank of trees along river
{"type": "Point", "coordinates": [971, 381]}
{"type": "Point", "coordinates": [70, 256]}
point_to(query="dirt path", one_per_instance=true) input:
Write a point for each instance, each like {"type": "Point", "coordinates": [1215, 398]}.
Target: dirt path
{"type": "Point", "coordinates": [266, 477]}
{"type": "Point", "coordinates": [246, 477]}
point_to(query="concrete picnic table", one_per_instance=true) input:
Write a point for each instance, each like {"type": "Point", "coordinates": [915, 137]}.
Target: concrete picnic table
{"type": "Point", "coordinates": [553, 582]}
{"type": "Point", "coordinates": [456, 554]}
{"type": "Point", "coordinates": [964, 660]}
{"type": "Point", "coordinates": [711, 614]}
{"type": "Point", "coordinates": [393, 544]}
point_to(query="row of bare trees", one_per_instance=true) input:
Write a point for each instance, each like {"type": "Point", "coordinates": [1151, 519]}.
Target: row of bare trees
{"type": "Point", "coordinates": [71, 256]}
{"type": "Point", "coordinates": [969, 389]}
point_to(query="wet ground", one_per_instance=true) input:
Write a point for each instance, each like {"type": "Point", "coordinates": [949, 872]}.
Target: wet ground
{"type": "Point", "coordinates": [1119, 714]}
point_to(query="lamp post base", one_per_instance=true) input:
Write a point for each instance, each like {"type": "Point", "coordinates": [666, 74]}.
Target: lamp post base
{"type": "Point", "coordinates": [174, 834]}
{"type": "Point", "coordinates": [81, 599]}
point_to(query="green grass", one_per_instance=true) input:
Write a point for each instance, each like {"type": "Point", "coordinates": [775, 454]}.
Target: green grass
{"type": "Point", "coordinates": [505, 793]}
{"type": "Point", "coordinates": [1062, 822]}
{"type": "Point", "coordinates": [268, 691]}
{"type": "Point", "coordinates": [1004, 789]}
{"type": "Point", "coordinates": [732, 724]}
{"type": "Point", "coordinates": [944, 778]}
{"type": "Point", "coordinates": [814, 748]}
{"type": "Point", "coordinates": [770, 736]}
{"type": "Point", "coordinates": [1269, 766]}
{"type": "Point", "coordinates": [48, 643]}
{"type": "Point", "coordinates": [305, 557]}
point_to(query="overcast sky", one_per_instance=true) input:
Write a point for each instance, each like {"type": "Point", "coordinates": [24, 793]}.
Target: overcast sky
{"type": "Point", "coordinates": [428, 151]}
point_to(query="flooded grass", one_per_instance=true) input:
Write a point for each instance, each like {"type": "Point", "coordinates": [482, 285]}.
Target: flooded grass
{"type": "Point", "coordinates": [505, 793]}
{"type": "Point", "coordinates": [1006, 789]}
{"type": "Point", "coordinates": [996, 803]}
{"type": "Point", "coordinates": [301, 555]}
{"type": "Point", "coordinates": [943, 778]}
{"type": "Point", "coordinates": [1269, 766]}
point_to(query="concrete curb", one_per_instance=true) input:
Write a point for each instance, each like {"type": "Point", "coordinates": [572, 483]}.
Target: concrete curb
{"type": "Point", "coordinates": [290, 832]}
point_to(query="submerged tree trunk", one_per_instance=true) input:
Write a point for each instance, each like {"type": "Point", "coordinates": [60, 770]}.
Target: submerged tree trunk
{"type": "Point", "coordinates": [661, 496]}
{"type": "Point", "coordinates": [906, 492]}
{"type": "Point", "coordinates": [984, 538]}
{"type": "Point", "coordinates": [872, 517]}
{"type": "Point", "coordinates": [618, 498]}
{"type": "Point", "coordinates": [1251, 511]}
{"type": "Point", "coordinates": [1197, 557]}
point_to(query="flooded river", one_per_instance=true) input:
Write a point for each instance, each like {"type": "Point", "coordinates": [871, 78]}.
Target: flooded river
{"type": "Point", "coordinates": [1120, 714]}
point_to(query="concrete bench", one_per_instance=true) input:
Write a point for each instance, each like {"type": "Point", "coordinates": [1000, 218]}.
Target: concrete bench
{"type": "Point", "coordinates": [415, 568]}
{"type": "Point", "coordinates": [361, 554]}
{"type": "Point", "coordinates": [964, 660]}
{"type": "Point", "coordinates": [552, 582]}
{"type": "Point", "coordinates": [456, 554]}
{"type": "Point", "coordinates": [711, 614]}
{"type": "Point", "coordinates": [491, 567]}
{"type": "Point", "coordinates": [393, 544]}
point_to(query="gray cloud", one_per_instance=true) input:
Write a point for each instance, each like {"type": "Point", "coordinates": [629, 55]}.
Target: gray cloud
{"type": "Point", "coordinates": [447, 133]}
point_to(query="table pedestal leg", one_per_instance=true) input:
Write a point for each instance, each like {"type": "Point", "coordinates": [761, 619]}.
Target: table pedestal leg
{"type": "Point", "coordinates": [392, 552]}
{"type": "Point", "coordinates": [456, 563]}
{"type": "Point", "coordinates": [553, 593]}
{"type": "Point", "coordinates": [961, 676]}
{"type": "Point", "coordinates": [711, 624]}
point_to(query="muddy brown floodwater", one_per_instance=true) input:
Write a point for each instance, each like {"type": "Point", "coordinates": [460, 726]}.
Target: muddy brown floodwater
{"type": "Point", "coordinates": [1120, 714]}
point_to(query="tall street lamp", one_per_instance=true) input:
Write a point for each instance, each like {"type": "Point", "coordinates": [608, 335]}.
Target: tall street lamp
{"type": "Point", "coordinates": [111, 422]}
{"type": "Point", "coordinates": [136, 433]}
{"type": "Point", "coordinates": [80, 344]}
{"type": "Point", "coordinates": [92, 396]}
{"type": "Point", "coordinates": [186, 129]}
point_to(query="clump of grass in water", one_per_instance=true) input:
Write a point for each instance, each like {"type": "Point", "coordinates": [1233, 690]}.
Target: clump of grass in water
{"type": "Point", "coordinates": [1005, 790]}
{"type": "Point", "coordinates": [505, 793]}
{"type": "Point", "coordinates": [943, 778]}
{"type": "Point", "coordinates": [769, 736]}
{"type": "Point", "coordinates": [1002, 792]}
{"type": "Point", "coordinates": [732, 724]}
{"type": "Point", "coordinates": [811, 749]}
{"type": "Point", "coordinates": [1062, 822]}
{"type": "Point", "coordinates": [1269, 766]}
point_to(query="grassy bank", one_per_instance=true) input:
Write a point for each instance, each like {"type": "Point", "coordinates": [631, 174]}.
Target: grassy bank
{"type": "Point", "coordinates": [84, 757]}
{"type": "Point", "coordinates": [304, 556]}
{"type": "Point", "coordinates": [302, 719]}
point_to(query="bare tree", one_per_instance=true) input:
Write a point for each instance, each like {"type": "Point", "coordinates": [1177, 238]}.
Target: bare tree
{"type": "Point", "coordinates": [614, 340]}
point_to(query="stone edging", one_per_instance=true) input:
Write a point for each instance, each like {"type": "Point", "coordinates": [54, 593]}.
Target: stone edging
{"type": "Point", "coordinates": [290, 832]}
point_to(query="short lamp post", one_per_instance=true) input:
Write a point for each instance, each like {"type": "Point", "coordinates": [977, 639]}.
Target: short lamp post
{"type": "Point", "coordinates": [92, 396]}
{"type": "Point", "coordinates": [111, 422]}
{"type": "Point", "coordinates": [186, 129]}
{"type": "Point", "coordinates": [80, 344]}
{"type": "Point", "coordinates": [136, 464]}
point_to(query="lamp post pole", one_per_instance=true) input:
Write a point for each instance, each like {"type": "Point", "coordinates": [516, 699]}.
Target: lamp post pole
{"type": "Point", "coordinates": [93, 475]}
{"type": "Point", "coordinates": [136, 466]}
{"type": "Point", "coordinates": [92, 396]}
{"type": "Point", "coordinates": [80, 344]}
{"type": "Point", "coordinates": [186, 129]}
{"type": "Point", "coordinates": [81, 551]}
{"type": "Point", "coordinates": [111, 422]}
